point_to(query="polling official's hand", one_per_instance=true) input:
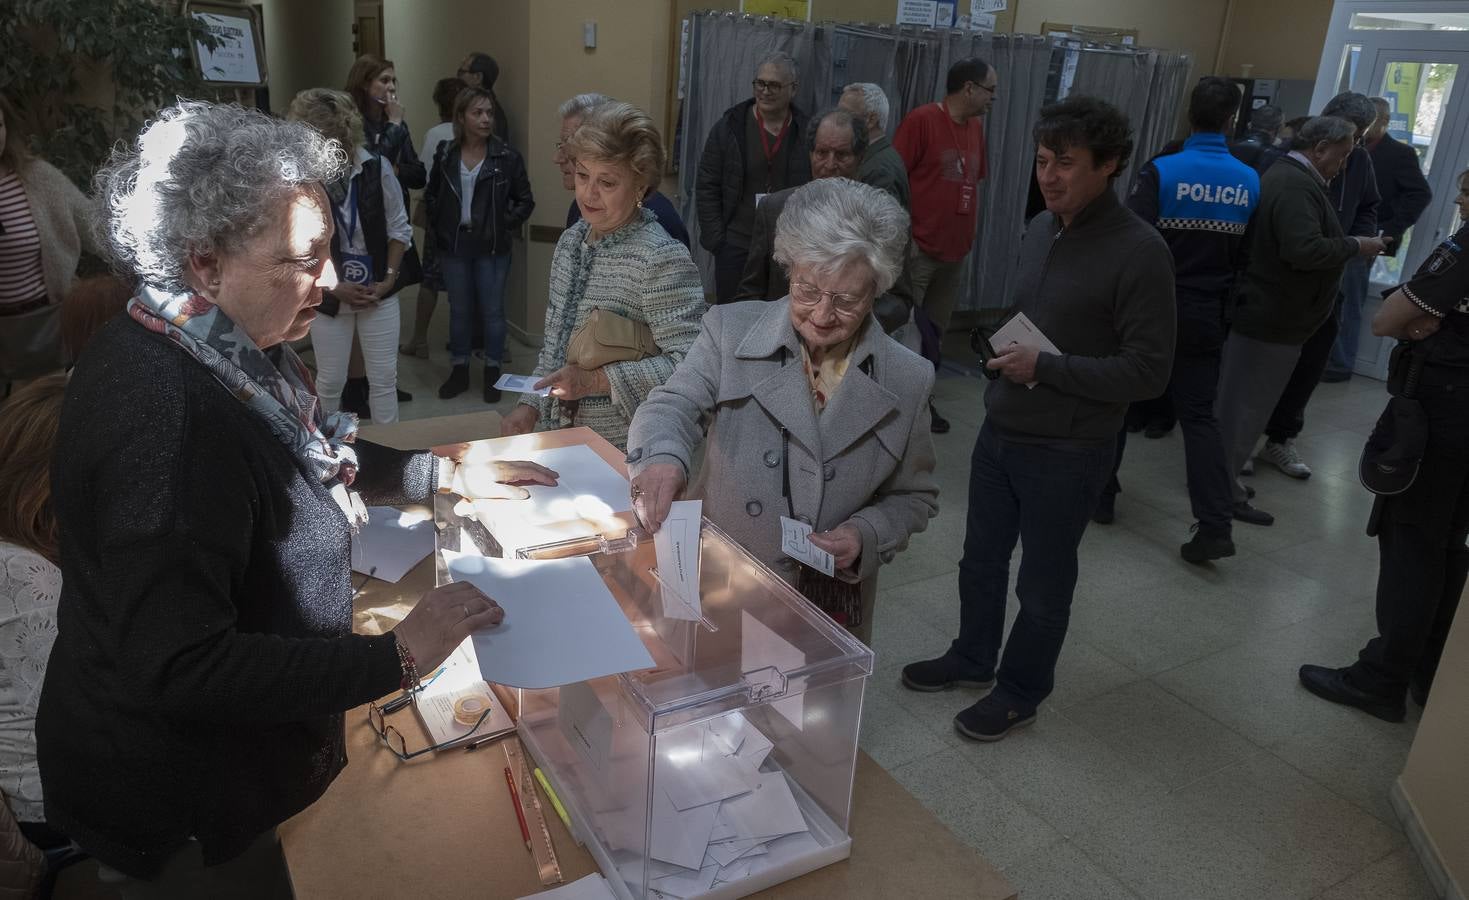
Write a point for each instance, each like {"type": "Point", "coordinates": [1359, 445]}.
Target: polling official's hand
{"type": "Point", "coordinates": [441, 621]}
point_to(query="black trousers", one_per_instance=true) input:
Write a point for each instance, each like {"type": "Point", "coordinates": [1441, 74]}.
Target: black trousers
{"type": "Point", "coordinates": [1424, 560]}
{"type": "Point", "coordinates": [1289, 416]}
{"type": "Point", "coordinates": [1191, 393]}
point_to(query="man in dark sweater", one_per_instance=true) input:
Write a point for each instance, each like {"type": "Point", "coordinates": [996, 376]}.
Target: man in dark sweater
{"type": "Point", "coordinates": [1296, 254]}
{"type": "Point", "coordinates": [1096, 281]}
{"type": "Point", "coordinates": [1405, 194]}
{"type": "Point", "coordinates": [1353, 195]}
{"type": "Point", "coordinates": [837, 141]}
{"type": "Point", "coordinates": [753, 150]}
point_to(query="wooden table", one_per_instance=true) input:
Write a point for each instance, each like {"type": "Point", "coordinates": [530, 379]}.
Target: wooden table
{"type": "Point", "coordinates": [443, 825]}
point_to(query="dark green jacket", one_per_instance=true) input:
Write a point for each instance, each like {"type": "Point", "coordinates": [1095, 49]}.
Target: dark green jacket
{"type": "Point", "coordinates": [1296, 255]}
{"type": "Point", "coordinates": [882, 167]}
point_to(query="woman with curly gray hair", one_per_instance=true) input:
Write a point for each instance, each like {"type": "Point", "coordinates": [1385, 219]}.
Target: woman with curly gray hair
{"type": "Point", "coordinates": [205, 502]}
{"type": "Point", "coordinates": [813, 414]}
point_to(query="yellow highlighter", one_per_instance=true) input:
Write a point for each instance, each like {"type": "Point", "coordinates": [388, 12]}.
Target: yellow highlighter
{"type": "Point", "coordinates": [555, 800]}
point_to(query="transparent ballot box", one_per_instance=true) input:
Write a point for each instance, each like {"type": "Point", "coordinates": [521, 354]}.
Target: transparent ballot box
{"type": "Point", "coordinates": [725, 769]}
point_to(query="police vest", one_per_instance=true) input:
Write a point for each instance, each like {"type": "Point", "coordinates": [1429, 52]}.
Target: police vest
{"type": "Point", "coordinates": [1204, 188]}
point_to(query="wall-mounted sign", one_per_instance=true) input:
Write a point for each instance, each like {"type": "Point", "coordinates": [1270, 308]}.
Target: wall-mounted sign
{"type": "Point", "coordinates": [917, 12]}
{"type": "Point", "coordinates": [239, 58]}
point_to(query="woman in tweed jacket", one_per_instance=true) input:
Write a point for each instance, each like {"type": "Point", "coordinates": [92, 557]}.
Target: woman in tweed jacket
{"type": "Point", "coordinates": [620, 260]}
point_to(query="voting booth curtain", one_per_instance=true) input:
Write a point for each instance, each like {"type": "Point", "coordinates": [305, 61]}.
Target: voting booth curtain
{"type": "Point", "coordinates": [909, 64]}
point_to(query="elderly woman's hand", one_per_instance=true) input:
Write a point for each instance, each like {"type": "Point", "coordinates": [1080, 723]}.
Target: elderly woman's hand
{"type": "Point", "coordinates": [843, 542]}
{"type": "Point", "coordinates": [522, 421]}
{"type": "Point", "coordinates": [654, 491]}
{"type": "Point", "coordinates": [441, 621]}
{"type": "Point", "coordinates": [574, 383]}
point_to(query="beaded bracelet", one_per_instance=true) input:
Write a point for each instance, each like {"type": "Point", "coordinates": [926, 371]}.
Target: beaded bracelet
{"type": "Point", "coordinates": [410, 667]}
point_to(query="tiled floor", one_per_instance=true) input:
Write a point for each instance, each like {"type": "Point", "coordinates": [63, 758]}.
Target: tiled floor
{"type": "Point", "coordinates": [1178, 756]}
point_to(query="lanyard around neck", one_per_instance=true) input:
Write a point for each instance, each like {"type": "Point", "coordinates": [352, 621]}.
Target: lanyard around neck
{"type": "Point", "coordinates": [962, 149]}
{"type": "Point", "coordinates": [769, 148]}
{"type": "Point", "coordinates": [351, 227]}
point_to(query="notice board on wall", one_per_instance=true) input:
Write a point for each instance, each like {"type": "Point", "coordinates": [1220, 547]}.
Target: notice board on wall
{"type": "Point", "coordinates": [239, 58]}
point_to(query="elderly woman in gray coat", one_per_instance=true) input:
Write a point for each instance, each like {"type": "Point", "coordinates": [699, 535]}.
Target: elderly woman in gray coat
{"type": "Point", "coordinates": [812, 412]}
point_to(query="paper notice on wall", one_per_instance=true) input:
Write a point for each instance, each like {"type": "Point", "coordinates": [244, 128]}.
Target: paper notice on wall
{"type": "Point", "coordinates": [944, 14]}
{"type": "Point", "coordinates": [980, 7]}
{"type": "Point", "coordinates": [917, 12]}
{"type": "Point", "coordinates": [982, 22]}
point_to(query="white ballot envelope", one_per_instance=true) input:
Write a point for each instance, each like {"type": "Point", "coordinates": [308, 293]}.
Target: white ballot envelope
{"type": "Point", "coordinates": [522, 384]}
{"type": "Point", "coordinates": [1021, 330]}
{"type": "Point", "coordinates": [794, 543]}
{"type": "Point", "coordinates": [677, 548]}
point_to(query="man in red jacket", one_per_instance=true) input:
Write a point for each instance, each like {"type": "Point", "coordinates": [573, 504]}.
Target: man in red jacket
{"type": "Point", "coordinates": [942, 145]}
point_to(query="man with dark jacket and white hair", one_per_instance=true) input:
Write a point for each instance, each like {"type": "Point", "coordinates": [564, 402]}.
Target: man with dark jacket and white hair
{"type": "Point", "coordinates": [755, 149]}
{"type": "Point", "coordinates": [1097, 281]}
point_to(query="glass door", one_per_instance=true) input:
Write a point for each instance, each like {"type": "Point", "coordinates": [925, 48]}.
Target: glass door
{"type": "Point", "coordinates": [1427, 92]}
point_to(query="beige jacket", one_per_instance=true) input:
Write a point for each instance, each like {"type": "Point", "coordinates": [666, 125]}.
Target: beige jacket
{"type": "Point", "coordinates": [64, 218]}
{"type": "Point", "coordinates": [867, 460]}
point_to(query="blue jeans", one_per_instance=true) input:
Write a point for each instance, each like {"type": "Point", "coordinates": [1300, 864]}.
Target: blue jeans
{"type": "Point", "coordinates": [1043, 494]}
{"type": "Point", "coordinates": [476, 286]}
{"type": "Point", "coordinates": [1354, 284]}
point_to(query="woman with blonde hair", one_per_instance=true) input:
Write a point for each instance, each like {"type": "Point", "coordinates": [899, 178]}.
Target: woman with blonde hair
{"type": "Point", "coordinates": [371, 236]}
{"type": "Point", "coordinates": [619, 263]}
{"type": "Point", "coordinates": [30, 584]}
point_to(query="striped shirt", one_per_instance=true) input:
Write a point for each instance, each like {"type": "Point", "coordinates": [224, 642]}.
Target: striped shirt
{"type": "Point", "coordinates": [22, 283]}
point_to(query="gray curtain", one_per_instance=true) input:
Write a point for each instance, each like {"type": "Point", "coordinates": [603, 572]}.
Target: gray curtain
{"type": "Point", "coordinates": [909, 64]}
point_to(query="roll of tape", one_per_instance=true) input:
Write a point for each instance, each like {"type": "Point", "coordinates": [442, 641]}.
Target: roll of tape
{"type": "Point", "coordinates": [467, 710]}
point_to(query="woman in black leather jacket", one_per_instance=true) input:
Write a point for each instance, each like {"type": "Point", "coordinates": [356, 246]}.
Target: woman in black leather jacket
{"type": "Point", "coordinates": [478, 196]}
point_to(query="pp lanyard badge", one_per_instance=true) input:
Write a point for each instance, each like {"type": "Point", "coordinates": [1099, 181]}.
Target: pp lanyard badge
{"type": "Point", "coordinates": [356, 267]}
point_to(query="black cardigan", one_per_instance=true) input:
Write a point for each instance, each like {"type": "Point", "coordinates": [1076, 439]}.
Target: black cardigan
{"type": "Point", "coordinates": [204, 657]}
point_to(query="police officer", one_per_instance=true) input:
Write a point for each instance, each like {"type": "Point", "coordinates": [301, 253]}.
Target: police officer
{"type": "Point", "coordinates": [1421, 532]}
{"type": "Point", "coordinates": [1200, 198]}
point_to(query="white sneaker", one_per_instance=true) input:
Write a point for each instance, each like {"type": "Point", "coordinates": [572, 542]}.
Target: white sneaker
{"type": "Point", "coordinates": [1285, 458]}
{"type": "Point", "coordinates": [1248, 468]}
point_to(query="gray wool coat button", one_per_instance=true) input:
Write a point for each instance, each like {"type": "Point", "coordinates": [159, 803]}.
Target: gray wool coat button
{"type": "Point", "coordinates": [828, 472]}
{"type": "Point", "coordinates": [635, 455]}
{"type": "Point", "coordinates": [772, 458]}
{"type": "Point", "coordinates": [754, 508]}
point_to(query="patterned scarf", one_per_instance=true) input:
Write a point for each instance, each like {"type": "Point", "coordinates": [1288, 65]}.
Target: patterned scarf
{"type": "Point", "coordinates": [273, 384]}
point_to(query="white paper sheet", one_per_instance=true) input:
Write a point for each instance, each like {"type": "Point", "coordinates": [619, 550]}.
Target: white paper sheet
{"type": "Point", "coordinates": [585, 723]}
{"type": "Point", "coordinates": [795, 543]}
{"type": "Point", "coordinates": [521, 384]}
{"type": "Point", "coordinates": [392, 542]}
{"type": "Point", "coordinates": [681, 837]}
{"type": "Point", "coordinates": [1021, 330]}
{"type": "Point", "coordinates": [561, 625]}
{"type": "Point", "coordinates": [694, 768]}
{"type": "Point", "coordinates": [676, 546]}
{"type": "Point", "coordinates": [592, 887]}
{"type": "Point", "coordinates": [768, 812]}
{"type": "Point", "coordinates": [686, 883]}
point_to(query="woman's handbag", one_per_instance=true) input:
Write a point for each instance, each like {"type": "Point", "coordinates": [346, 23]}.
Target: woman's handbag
{"type": "Point", "coordinates": [606, 337]}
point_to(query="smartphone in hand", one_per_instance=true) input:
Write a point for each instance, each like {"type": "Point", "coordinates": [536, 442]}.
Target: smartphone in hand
{"type": "Point", "coordinates": [979, 342]}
